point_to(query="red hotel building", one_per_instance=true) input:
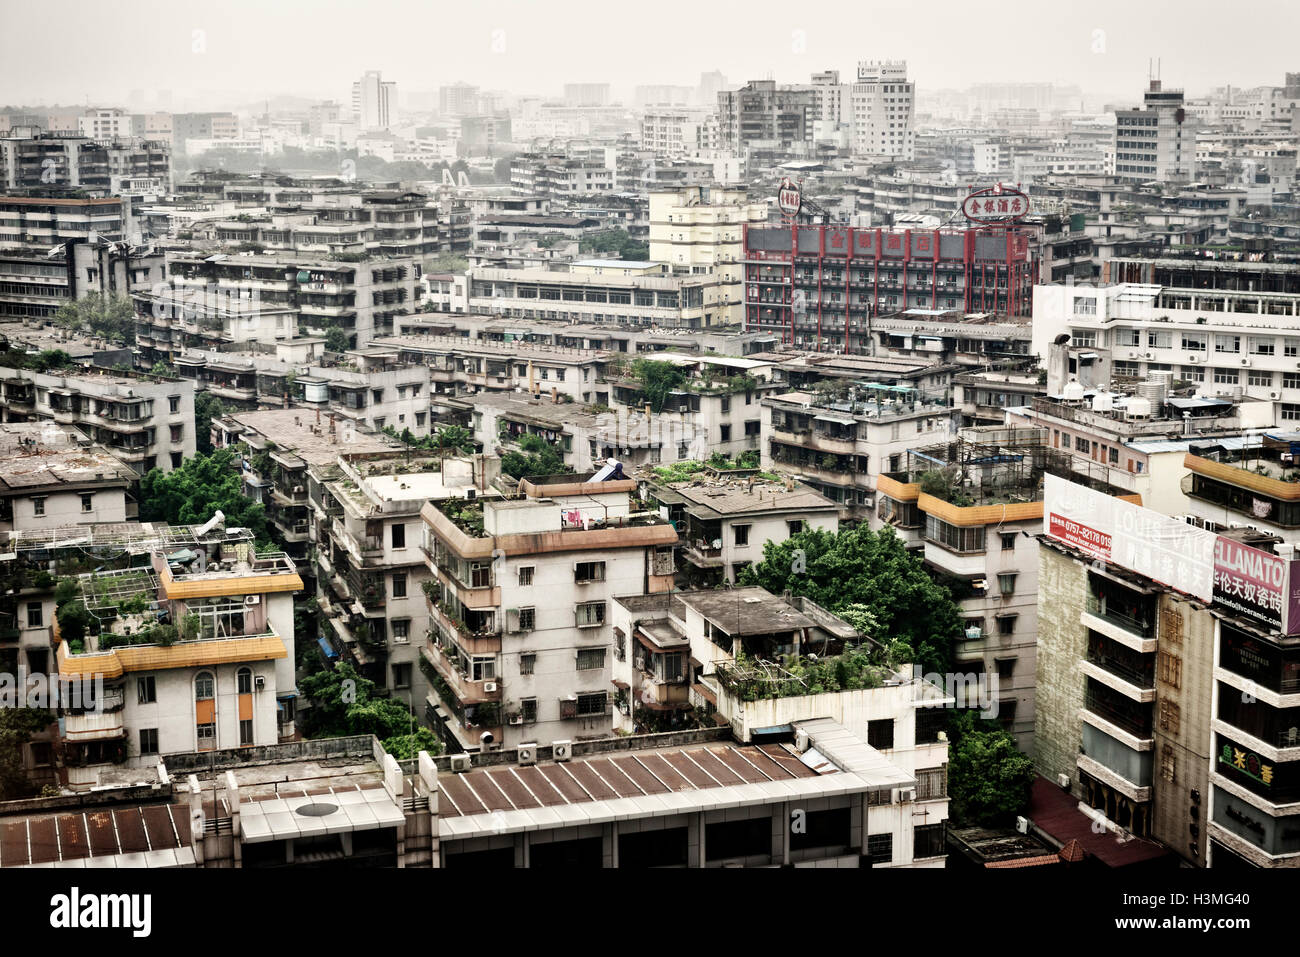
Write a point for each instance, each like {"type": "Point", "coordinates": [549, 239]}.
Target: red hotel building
{"type": "Point", "coordinates": [820, 286]}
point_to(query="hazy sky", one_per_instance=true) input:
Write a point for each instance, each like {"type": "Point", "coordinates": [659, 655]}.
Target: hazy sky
{"type": "Point", "coordinates": [71, 51]}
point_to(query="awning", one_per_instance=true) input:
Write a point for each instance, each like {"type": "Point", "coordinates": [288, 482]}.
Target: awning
{"type": "Point", "coordinates": [840, 419]}
{"type": "Point", "coordinates": [1087, 356]}
{"type": "Point", "coordinates": [326, 647]}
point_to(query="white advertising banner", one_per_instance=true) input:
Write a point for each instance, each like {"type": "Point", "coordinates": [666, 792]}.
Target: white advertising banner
{"type": "Point", "coordinates": [1163, 549]}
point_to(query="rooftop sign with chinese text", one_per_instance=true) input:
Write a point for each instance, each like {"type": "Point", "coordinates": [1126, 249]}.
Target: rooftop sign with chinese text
{"type": "Point", "coordinates": [789, 198]}
{"type": "Point", "coordinates": [995, 205]}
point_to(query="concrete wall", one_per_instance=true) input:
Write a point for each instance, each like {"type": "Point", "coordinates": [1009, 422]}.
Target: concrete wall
{"type": "Point", "coordinates": [1182, 727]}
{"type": "Point", "coordinates": [1062, 644]}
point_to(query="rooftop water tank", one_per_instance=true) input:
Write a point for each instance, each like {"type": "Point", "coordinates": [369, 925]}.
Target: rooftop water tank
{"type": "Point", "coordinates": [1139, 408]}
{"type": "Point", "coordinates": [1103, 402]}
{"type": "Point", "coordinates": [1073, 391]}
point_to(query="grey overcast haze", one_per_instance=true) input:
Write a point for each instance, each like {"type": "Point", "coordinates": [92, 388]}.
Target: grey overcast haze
{"type": "Point", "coordinates": [202, 54]}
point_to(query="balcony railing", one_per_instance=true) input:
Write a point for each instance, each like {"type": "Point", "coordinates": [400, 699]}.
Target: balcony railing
{"type": "Point", "coordinates": [1136, 724]}
{"type": "Point", "coordinates": [1142, 678]}
{"type": "Point", "coordinates": [1144, 629]}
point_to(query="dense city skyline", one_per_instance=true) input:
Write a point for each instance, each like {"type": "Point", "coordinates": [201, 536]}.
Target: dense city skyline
{"type": "Point", "coordinates": [510, 45]}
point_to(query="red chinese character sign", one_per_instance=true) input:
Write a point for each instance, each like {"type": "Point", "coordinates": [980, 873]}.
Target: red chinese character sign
{"type": "Point", "coordinates": [789, 199]}
{"type": "Point", "coordinates": [996, 205]}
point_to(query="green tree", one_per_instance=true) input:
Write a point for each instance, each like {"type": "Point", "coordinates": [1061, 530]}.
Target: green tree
{"type": "Point", "coordinates": [17, 725]}
{"type": "Point", "coordinates": [111, 317]}
{"type": "Point", "coordinates": [454, 438]}
{"type": "Point", "coordinates": [657, 380]}
{"type": "Point", "coordinates": [536, 457]}
{"type": "Point", "coordinates": [206, 408]}
{"type": "Point", "coordinates": [989, 779]}
{"type": "Point", "coordinates": [345, 703]}
{"type": "Point", "coordinates": [404, 747]}
{"type": "Point", "coordinates": [856, 566]}
{"type": "Point", "coordinates": [447, 262]}
{"type": "Point", "coordinates": [336, 340]}
{"type": "Point", "coordinates": [191, 494]}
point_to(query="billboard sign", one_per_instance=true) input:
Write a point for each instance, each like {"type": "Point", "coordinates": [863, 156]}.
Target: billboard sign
{"type": "Point", "coordinates": [1257, 584]}
{"type": "Point", "coordinates": [789, 198]}
{"type": "Point", "coordinates": [1236, 577]}
{"type": "Point", "coordinates": [995, 205]}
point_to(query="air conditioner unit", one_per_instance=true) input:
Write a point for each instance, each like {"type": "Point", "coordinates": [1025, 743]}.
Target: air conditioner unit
{"type": "Point", "coordinates": [489, 687]}
{"type": "Point", "coordinates": [562, 750]}
{"type": "Point", "coordinates": [1063, 780]}
{"type": "Point", "coordinates": [1245, 362]}
{"type": "Point", "coordinates": [460, 763]}
{"type": "Point", "coordinates": [1193, 358]}
{"type": "Point", "coordinates": [1022, 825]}
{"type": "Point", "coordinates": [527, 754]}
{"type": "Point", "coordinates": [516, 719]}
{"type": "Point", "coordinates": [801, 740]}
{"type": "Point", "coordinates": [252, 599]}
{"type": "Point", "coordinates": [1275, 395]}
{"type": "Point", "coordinates": [904, 795]}
{"type": "Point", "coordinates": [640, 664]}
{"type": "Point", "coordinates": [259, 682]}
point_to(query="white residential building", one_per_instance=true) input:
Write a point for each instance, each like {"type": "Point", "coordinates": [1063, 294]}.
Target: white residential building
{"type": "Point", "coordinates": [882, 104]}
{"type": "Point", "coordinates": [374, 102]}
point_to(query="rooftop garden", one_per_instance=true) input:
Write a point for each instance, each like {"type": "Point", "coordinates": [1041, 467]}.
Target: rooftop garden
{"type": "Point", "coordinates": [864, 666]}
{"type": "Point", "coordinates": [688, 469]}
{"type": "Point", "coordinates": [465, 515]}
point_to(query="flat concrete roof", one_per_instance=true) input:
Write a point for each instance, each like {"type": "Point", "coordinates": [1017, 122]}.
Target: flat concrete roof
{"type": "Point", "coordinates": [747, 611]}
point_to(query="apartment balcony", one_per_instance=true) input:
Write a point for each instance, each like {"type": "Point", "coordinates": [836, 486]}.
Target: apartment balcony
{"type": "Point", "coordinates": [481, 641]}
{"type": "Point", "coordinates": [466, 691]}
{"type": "Point", "coordinates": [1129, 682]}
{"type": "Point", "coordinates": [94, 726]}
{"type": "Point", "coordinates": [1111, 617]}
{"type": "Point", "coordinates": [367, 589]}
{"type": "Point", "coordinates": [1134, 723]}
{"type": "Point", "coordinates": [703, 555]}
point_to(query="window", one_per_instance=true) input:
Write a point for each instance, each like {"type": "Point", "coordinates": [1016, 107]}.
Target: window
{"type": "Point", "coordinates": [880, 848]}
{"type": "Point", "coordinates": [145, 691]}
{"type": "Point", "coordinates": [399, 536]}
{"type": "Point", "coordinates": [591, 659]}
{"type": "Point", "coordinates": [527, 619]}
{"type": "Point", "coordinates": [1262, 346]}
{"type": "Point", "coordinates": [1194, 342]}
{"type": "Point", "coordinates": [589, 704]}
{"type": "Point", "coordinates": [528, 708]}
{"type": "Point", "coordinates": [1006, 667]}
{"type": "Point", "coordinates": [1159, 339]}
{"type": "Point", "coordinates": [1290, 348]}
{"type": "Point", "coordinates": [724, 433]}
{"type": "Point", "coordinates": [244, 681]}
{"type": "Point", "coordinates": [880, 734]}
{"type": "Point", "coordinates": [401, 629]}
{"type": "Point", "coordinates": [35, 615]}
{"type": "Point", "coordinates": [928, 841]}
{"type": "Point", "coordinates": [526, 575]}
{"type": "Point", "coordinates": [1006, 624]}
{"type": "Point", "coordinates": [585, 572]}
{"type": "Point", "coordinates": [1193, 373]}
{"type": "Point", "coordinates": [726, 403]}
{"type": "Point", "coordinates": [1008, 541]}
{"type": "Point", "coordinates": [174, 403]}
{"type": "Point", "coordinates": [38, 505]}
{"type": "Point", "coordinates": [1226, 376]}
{"type": "Point", "coordinates": [527, 663]}
{"type": "Point", "coordinates": [402, 675]}
{"type": "Point", "coordinates": [1227, 343]}
{"type": "Point", "coordinates": [88, 503]}
{"type": "Point", "coordinates": [741, 535]}
{"type": "Point", "coordinates": [1085, 339]}
{"type": "Point", "coordinates": [795, 527]}
{"type": "Point", "coordinates": [1128, 337]}
{"type": "Point", "coordinates": [1264, 379]}
{"type": "Point", "coordinates": [245, 732]}
{"type": "Point", "coordinates": [590, 614]}
{"type": "Point", "coordinates": [1006, 583]}
{"type": "Point", "coordinates": [399, 584]}
{"type": "Point", "coordinates": [207, 735]}
{"type": "Point", "coordinates": [1085, 306]}
{"type": "Point", "coordinates": [204, 686]}
{"type": "Point", "coordinates": [177, 432]}
{"type": "Point", "coordinates": [953, 537]}
{"type": "Point", "coordinates": [148, 740]}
